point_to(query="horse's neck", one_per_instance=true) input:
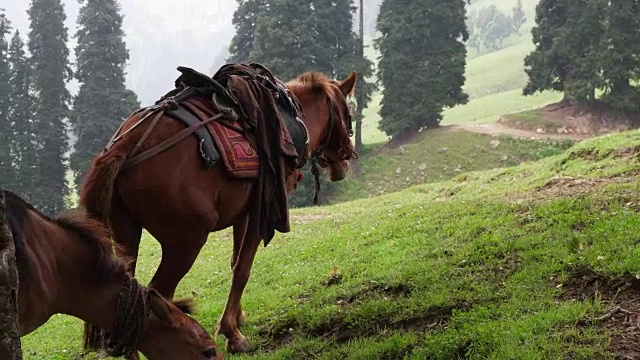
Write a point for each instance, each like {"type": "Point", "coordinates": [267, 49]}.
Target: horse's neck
{"type": "Point", "coordinates": [317, 129]}
{"type": "Point", "coordinates": [57, 278]}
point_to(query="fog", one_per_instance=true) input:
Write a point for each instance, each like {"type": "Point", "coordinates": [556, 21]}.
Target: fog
{"type": "Point", "coordinates": [160, 35]}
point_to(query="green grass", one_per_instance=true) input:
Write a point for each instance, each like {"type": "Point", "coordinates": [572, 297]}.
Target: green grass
{"type": "Point", "coordinates": [466, 268]}
{"type": "Point", "coordinates": [436, 156]}
{"type": "Point", "coordinates": [489, 108]}
{"type": "Point", "coordinates": [530, 119]}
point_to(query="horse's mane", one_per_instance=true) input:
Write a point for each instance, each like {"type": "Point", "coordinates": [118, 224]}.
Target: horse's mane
{"type": "Point", "coordinates": [315, 83]}
{"type": "Point", "coordinates": [76, 221]}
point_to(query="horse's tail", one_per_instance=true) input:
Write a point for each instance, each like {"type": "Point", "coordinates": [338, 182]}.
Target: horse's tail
{"type": "Point", "coordinates": [96, 195]}
{"type": "Point", "coordinates": [97, 188]}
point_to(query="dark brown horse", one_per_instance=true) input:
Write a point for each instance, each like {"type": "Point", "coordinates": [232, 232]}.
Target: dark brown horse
{"type": "Point", "coordinates": [66, 265]}
{"type": "Point", "coordinates": [179, 201]}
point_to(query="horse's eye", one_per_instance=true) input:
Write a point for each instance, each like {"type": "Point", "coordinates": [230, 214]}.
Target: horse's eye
{"type": "Point", "coordinates": [210, 353]}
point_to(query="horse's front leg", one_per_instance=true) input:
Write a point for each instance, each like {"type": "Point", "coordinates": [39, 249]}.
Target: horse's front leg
{"type": "Point", "coordinates": [239, 231]}
{"type": "Point", "coordinates": [228, 324]}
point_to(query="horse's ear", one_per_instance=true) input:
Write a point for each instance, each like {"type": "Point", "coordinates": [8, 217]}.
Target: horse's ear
{"type": "Point", "coordinates": [162, 309]}
{"type": "Point", "coordinates": [348, 85]}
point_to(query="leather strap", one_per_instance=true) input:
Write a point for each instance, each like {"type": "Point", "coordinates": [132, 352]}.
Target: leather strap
{"type": "Point", "coordinates": [144, 137]}
{"type": "Point", "coordinates": [168, 143]}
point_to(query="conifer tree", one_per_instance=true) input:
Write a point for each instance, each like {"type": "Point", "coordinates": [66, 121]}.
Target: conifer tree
{"type": "Point", "coordinates": [7, 178]}
{"type": "Point", "coordinates": [621, 61]}
{"type": "Point", "coordinates": [245, 20]}
{"type": "Point", "coordinates": [547, 66]}
{"type": "Point", "coordinates": [103, 100]}
{"type": "Point", "coordinates": [21, 117]}
{"type": "Point", "coordinates": [51, 72]}
{"type": "Point", "coordinates": [422, 64]}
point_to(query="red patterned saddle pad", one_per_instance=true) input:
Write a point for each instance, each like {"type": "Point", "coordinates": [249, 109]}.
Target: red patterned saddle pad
{"type": "Point", "coordinates": [239, 157]}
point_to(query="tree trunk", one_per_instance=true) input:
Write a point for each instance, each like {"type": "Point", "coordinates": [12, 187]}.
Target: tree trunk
{"type": "Point", "coordinates": [360, 91]}
{"type": "Point", "coordinates": [10, 348]}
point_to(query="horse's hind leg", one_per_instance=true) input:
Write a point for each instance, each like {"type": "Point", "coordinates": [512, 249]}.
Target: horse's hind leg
{"type": "Point", "coordinates": [228, 324]}
{"type": "Point", "coordinates": [127, 232]}
{"type": "Point", "coordinates": [180, 248]}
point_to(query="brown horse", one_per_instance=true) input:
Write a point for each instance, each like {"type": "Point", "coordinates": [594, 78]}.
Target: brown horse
{"type": "Point", "coordinates": [66, 265]}
{"type": "Point", "coordinates": [179, 201]}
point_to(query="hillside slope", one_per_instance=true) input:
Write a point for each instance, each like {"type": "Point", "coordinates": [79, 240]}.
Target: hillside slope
{"type": "Point", "coordinates": [512, 263]}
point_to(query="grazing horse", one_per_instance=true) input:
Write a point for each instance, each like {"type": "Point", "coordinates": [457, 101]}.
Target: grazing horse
{"type": "Point", "coordinates": [67, 266]}
{"type": "Point", "coordinates": [180, 201]}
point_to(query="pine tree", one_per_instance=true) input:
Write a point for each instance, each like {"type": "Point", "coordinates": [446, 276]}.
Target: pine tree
{"type": "Point", "coordinates": [103, 100]}
{"type": "Point", "coordinates": [50, 61]}
{"type": "Point", "coordinates": [245, 20]}
{"type": "Point", "coordinates": [23, 151]}
{"type": "Point", "coordinates": [7, 178]}
{"type": "Point", "coordinates": [569, 46]}
{"type": "Point", "coordinates": [285, 39]}
{"type": "Point", "coordinates": [422, 63]}
{"type": "Point", "coordinates": [581, 41]}
{"type": "Point", "coordinates": [547, 66]}
{"type": "Point", "coordinates": [621, 60]}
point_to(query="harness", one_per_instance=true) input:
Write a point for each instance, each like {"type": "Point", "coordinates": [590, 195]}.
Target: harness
{"type": "Point", "coordinates": [318, 157]}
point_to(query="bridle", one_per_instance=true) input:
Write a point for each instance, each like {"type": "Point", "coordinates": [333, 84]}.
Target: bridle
{"type": "Point", "coordinates": [318, 157]}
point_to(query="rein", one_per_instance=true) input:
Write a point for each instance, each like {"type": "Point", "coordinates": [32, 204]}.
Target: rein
{"type": "Point", "coordinates": [317, 156]}
{"type": "Point", "coordinates": [133, 317]}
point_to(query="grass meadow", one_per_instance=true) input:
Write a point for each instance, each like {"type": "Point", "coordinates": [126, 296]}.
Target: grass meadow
{"type": "Point", "coordinates": [471, 267]}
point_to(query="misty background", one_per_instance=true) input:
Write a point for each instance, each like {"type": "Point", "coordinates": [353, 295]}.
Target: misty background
{"type": "Point", "coordinates": [160, 35]}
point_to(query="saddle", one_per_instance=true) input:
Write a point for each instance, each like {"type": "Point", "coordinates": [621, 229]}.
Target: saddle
{"type": "Point", "coordinates": [200, 97]}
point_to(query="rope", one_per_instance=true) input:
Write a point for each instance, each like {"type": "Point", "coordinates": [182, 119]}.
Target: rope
{"type": "Point", "coordinates": [133, 315]}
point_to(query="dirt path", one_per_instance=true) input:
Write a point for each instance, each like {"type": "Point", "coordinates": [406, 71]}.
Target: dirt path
{"type": "Point", "coordinates": [495, 129]}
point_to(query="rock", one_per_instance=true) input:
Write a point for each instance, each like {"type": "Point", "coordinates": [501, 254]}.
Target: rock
{"type": "Point", "coordinates": [444, 150]}
{"type": "Point", "coordinates": [402, 149]}
{"type": "Point", "coordinates": [540, 131]}
{"type": "Point", "coordinates": [398, 171]}
{"type": "Point", "coordinates": [494, 143]}
{"type": "Point", "coordinates": [562, 130]}
{"type": "Point", "coordinates": [505, 158]}
{"type": "Point", "coordinates": [422, 167]}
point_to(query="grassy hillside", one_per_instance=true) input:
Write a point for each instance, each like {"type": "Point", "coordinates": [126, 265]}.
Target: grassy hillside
{"type": "Point", "coordinates": [501, 264]}
{"type": "Point", "coordinates": [436, 156]}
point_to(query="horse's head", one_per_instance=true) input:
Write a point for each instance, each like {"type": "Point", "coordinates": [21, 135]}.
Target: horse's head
{"type": "Point", "coordinates": [328, 118]}
{"type": "Point", "coordinates": [172, 334]}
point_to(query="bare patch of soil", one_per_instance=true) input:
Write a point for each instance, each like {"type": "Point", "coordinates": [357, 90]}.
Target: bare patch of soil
{"type": "Point", "coordinates": [304, 219]}
{"type": "Point", "coordinates": [432, 319]}
{"type": "Point", "coordinates": [569, 185]}
{"type": "Point", "coordinates": [622, 294]}
{"type": "Point", "coordinates": [501, 129]}
{"type": "Point", "coordinates": [383, 291]}
{"type": "Point", "coordinates": [567, 118]}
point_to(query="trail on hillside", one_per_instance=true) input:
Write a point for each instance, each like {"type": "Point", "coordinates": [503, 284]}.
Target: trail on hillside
{"type": "Point", "coordinates": [495, 129]}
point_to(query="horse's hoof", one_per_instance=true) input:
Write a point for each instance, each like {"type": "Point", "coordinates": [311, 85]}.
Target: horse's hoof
{"type": "Point", "coordinates": [238, 345]}
{"type": "Point", "coordinates": [242, 318]}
